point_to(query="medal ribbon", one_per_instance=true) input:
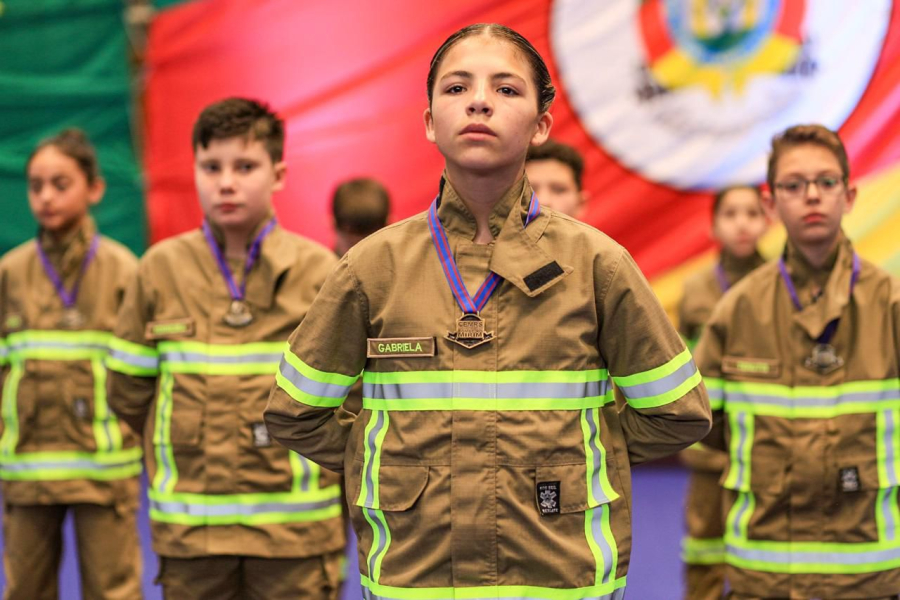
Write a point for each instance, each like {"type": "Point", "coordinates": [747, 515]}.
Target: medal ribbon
{"type": "Point", "coordinates": [237, 293]}
{"type": "Point", "coordinates": [831, 328]}
{"type": "Point", "coordinates": [467, 303]}
{"type": "Point", "coordinates": [67, 297]}
{"type": "Point", "coordinates": [723, 280]}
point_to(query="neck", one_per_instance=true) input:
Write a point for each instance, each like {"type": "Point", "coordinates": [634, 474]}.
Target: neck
{"type": "Point", "coordinates": [481, 192]}
{"type": "Point", "coordinates": [57, 236]}
{"type": "Point", "coordinates": [235, 242]}
{"type": "Point", "coordinates": [817, 254]}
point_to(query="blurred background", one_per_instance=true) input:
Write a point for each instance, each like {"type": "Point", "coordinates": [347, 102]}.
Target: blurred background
{"type": "Point", "coordinates": [666, 99]}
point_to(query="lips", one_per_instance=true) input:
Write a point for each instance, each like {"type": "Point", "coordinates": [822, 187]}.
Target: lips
{"type": "Point", "coordinates": [227, 207]}
{"type": "Point", "coordinates": [478, 129]}
{"type": "Point", "coordinates": [814, 218]}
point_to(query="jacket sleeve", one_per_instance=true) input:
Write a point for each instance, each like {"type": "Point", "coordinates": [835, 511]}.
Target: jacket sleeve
{"type": "Point", "coordinates": [133, 361]}
{"type": "Point", "coordinates": [708, 355]}
{"type": "Point", "coordinates": [323, 361]}
{"type": "Point", "coordinates": [666, 405]}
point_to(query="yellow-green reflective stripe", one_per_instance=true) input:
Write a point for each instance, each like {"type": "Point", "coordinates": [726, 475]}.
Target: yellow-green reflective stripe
{"type": "Point", "coordinates": [132, 359]}
{"type": "Point", "coordinates": [812, 557]}
{"type": "Point", "coordinates": [315, 374]}
{"type": "Point", "coordinates": [661, 385]}
{"type": "Point", "coordinates": [482, 404]}
{"type": "Point", "coordinates": [52, 466]}
{"type": "Point", "coordinates": [602, 543]}
{"type": "Point", "coordinates": [107, 432]}
{"type": "Point", "coordinates": [376, 429]}
{"type": "Point", "coordinates": [887, 514]}
{"type": "Point", "coordinates": [489, 377]}
{"type": "Point", "coordinates": [887, 447]}
{"type": "Point", "coordinates": [716, 391]}
{"type": "Point", "coordinates": [381, 541]}
{"type": "Point", "coordinates": [10, 409]}
{"type": "Point", "coordinates": [739, 517]}
{"type": "Point", "coordinates": [4, 352]}
{"type": "Point", "coordinates": [614, 590]}
{"type": "Point", "coordinates": [260, 358]}
{"type": "Point", "coordinates": [305, 473]}
{"type": "Point", "coordinates": [58, 345]}
{"type": "Point", "coordinates": [703, 551]}
{"type": "Point", "coordinates": [166, 470]}
{"type": "Point", "coordinates": [740, 451]}
{"type": "Point", "coordinates": [309, 391]}
{"type": "Point", "coordinates": [812, 402]}
{"type": "Point", "coordinates": [599, 489]}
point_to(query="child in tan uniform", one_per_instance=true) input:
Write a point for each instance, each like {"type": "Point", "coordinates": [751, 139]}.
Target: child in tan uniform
{"type": "Point", "coordinates": [802, 361]}
{"type": "Point", "coordinates": [738, 223]}
{"type": "Point", "coordinates": [201, 330]}
{"type": "Point", "coordinates": [62, 450]}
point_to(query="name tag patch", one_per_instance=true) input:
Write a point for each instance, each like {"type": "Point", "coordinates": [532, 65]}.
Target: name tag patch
{"type": "Point", "coordinates": [411, 347]}
{"type": "Point", "coordinates": [158, 330]}
{"type": "Point", "coordinates": [548, 497]}
{"type": "Point", "coordinates": [261, 438]}
{"type": "Point", "coordinates": [753, 367]}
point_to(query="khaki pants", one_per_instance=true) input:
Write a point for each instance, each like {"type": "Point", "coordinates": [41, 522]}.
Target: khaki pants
{"type": "Point", "coordinates": [250, 578]}
{"type": "Point", "coordinates": [109, 553]}
{"type": "Point", "coordinates": [704, 521]}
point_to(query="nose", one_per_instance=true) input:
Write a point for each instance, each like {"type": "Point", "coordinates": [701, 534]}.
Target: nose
{"type": "Point", "coordinates": [226, 180]}
{"type": "Point", "coordinates": [480, 101]}
{"type": "Point", "coordinates": [812, 192]}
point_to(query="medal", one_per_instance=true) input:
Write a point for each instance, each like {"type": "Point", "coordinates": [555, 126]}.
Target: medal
{"type": "Point", "coordinates": [71, 316]}
{"type": "Point", "coordinates": [470, 328]}
{"type": "Point", "coordinates": [239, 313]}
{"type": "Point", "coordinates": [823, 357]}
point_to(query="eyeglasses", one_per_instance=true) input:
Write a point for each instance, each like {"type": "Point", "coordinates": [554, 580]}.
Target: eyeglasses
{"type": "Point", "coordinates": [794, 189]}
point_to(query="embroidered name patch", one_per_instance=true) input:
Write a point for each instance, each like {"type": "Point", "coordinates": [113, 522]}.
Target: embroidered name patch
{"type": "Point", "coordinates": [412, 347]}
{"type": "Point", "coordinates": [156, 330]}
{"type": "Point", "coordinates": [548, 497]}
{"type": "Point", "coordinates": [758, 367]}
{"type": "Point", "coordinates": [850, 479]}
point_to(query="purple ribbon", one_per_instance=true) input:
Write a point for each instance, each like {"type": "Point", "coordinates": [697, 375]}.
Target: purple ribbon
{"type": "Point", "coordinates": [237, 293]}
{"type": "Point", "coordinates": [451, 271]}
{"type": "Point", "coordinates": [831, 328]}
{"type": "Point", "coordinates": [723, 280]}
{"type": "Point", "coordinates": [68, 297]}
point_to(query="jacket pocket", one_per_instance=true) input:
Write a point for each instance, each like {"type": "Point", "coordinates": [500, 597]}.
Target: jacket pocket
{"type": "Point", "coordinates": [393, 488]}
{"type": "Point", "coordinates": [186, 428]}
{"type": "Point", "coordinates": [563, 489]}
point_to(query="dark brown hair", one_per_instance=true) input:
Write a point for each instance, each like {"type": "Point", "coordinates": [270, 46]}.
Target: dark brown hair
{"type": "Point", "coordinates": [240, 117]}
{"type": "Point", "coordinates": [74, 143]}
{"type": "Point", "coordinates": [567, 155]}
{"type": "Point", "coordinates": [720, 195]}
{"type": "Point", "coordinates": [540, 73]}
{"type": "Point", "coordinates": [360, 206]}
{"type": "Point", "coordinates": [798, 135]}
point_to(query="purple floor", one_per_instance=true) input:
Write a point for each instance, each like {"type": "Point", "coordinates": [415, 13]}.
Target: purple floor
{"type": "Point", "coordinates": [655, 572]}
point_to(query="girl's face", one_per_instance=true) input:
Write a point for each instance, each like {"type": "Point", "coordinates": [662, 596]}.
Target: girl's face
{"type": "Point", "coordinates": [58, 191]}
{"type": "Point", "coordinates": [484, 112]}
{"type": "Point", "coordinates": [739, 222]}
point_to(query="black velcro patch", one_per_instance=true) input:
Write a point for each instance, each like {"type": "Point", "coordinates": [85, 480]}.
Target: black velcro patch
{"type": "Point", "coordinates": [850, 479]}
{"type": "Point", "coordinates": [548, 497]}
{"type": "Point", "coordinates": [544, 275]}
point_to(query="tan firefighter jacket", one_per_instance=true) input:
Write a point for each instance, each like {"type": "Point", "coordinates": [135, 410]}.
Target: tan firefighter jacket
{"type": "Point", "coordinates": [60, 443]}
{"type": "Point", "coordinates": [500, 470]}
{"type": "Point", "coordinates": [812, 480]}
{"type": "Point", "coordinates": [197, 388]}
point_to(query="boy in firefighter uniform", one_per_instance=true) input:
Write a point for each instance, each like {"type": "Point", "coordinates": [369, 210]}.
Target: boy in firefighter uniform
{"type": "Point", "coordinates": [199, 336]}
{"type": "Point", "coordinates": [737, 224]}
{"type": "Point", "coordinates": [62, 449]}
{"type": "Point", "coordinates": [802, 361]}
{"type": "Point", "coordinates": [489, 460]}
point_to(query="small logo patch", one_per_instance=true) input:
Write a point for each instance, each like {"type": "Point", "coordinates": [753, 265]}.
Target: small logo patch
{"type": "Point", "coordinates": [261, 438]}
{"type": "Point", "coordinates": [548, 497]}
{"type": "Point", "coordinates": [411, 347]}
{"type": "Point", "coordinates": [754, 367]}
{"type": "Point", "coordinates": [850, 479]}
{"type": "Point", "coordinates": [157, 330]}
{"type": "Point", "coordinates": [14, 322]}
{"type": "Point", "coordinates": [80, 408]}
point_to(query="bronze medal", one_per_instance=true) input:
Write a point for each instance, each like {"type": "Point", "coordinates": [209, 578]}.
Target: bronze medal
{"type": "Point", "coordinates": [823, 359]}
{"type": "Point", "coordinates": [238, 314]}
{"type": "Point", "coordinates": [470, 331]}
{"type": "Point", "coordinates": [71, 318]}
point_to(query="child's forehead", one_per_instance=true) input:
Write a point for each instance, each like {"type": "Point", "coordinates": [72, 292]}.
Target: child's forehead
{"type": "Point", "coordinates": [485, 50]}
{"type": "Point", "coordinates": [807, 157]}
{"type": "Point", "coordinates": [551, 165]}
{"type": "Point", "coordinates": [243, 145]}
{"type": "Point", "coordinates": [52, 158]}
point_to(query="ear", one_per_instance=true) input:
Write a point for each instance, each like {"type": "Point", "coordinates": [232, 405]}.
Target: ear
{"type": "Point", "coordinates": [768, 203]}
{"type": "Point", "coordinates": [429, 125]}
{"type": "Point", "coordinates": [544, 124]}
{"type": "Point", "coordinates": [280, 169]}
{"type": "Point", "coordinates": [851, 199]}
{"type": "Point", "coordinates": [96, 191]}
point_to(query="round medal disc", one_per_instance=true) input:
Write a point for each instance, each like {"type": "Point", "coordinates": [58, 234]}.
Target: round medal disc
{"type": "Point", "coordinates": [238, 314]}
{"type": "Point", "coordinates": [71, 319]}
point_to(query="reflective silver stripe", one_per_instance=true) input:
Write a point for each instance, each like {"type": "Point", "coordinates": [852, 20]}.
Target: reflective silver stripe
{"type": "Point", "coordinates": [227, 510]}
{"type": "Point", "coordinates": [371, 442]}
{"type": "Point", "coordinates": [660, 386]}
{"type": "Point", "coordinates": [401, 391]}
{"type": "Point", "coordinates": [376, 516]}
{"type": "Point", "coordinates": [619, 594]}
{"type": "Point", "coordinates": [84, 463]}
{"type": "Point", "coordinates": [715, 393]}
{"type": "Point", "coordinates": [136, 360]}
{"type": "Point", "coordinates": [823, 557]}
{"type": "Point", "coordinates": [311, 386]}
{"type": "Point", "coordinates": [197, 357]}
{"type": "Point", "coordinates": [744, 499]}
{"type": "Point", "coordinates": [591, 418]}
{"type": "Point", "coordinates": [305, 476]}
{"type": "Point", "coordinates": [166, 429]}
{"type": "Point", "coordinates": [888, 503]}
{"type": "Point", "coordinates": [602, 543]}
{"type": "Point", "coordinates": [890, 461]}
{"type": "Point", "coordinates": [43, 345]}
{"type": "Point", "coordinates": [741, 419]}
{"type": "Point", "coordinates": [811, 402]}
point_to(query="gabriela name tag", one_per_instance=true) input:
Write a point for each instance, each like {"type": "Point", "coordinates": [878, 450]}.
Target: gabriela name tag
{"type": "Point", "coordinates": [411, 347]}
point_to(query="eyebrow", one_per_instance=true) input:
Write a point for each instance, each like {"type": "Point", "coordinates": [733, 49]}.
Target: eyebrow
{"type": "Point", "coordinates": [495, 76]}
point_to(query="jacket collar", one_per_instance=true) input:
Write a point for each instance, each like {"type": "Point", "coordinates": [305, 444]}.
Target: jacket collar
{"type": "Point", "coordinates": [67, 255]}
{"type": "Point", "coordinates": [736, 268]}
{"type": "Point", "coordinates": [814, 317]}
{"type": "Point", "coordinates": [516, 257]}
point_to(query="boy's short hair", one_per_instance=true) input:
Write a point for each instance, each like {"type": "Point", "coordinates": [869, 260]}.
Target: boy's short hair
{"type": "Point", "coordinates": [241, 117]}
{"type": "Point", "coordinates": [360, 206]}
{"type": "Point", "coordinates": [799, 135]}
{"type": "Point", "coordinates": [552, 150]}
{"type": "Point", "coordinates": [720, 195]}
